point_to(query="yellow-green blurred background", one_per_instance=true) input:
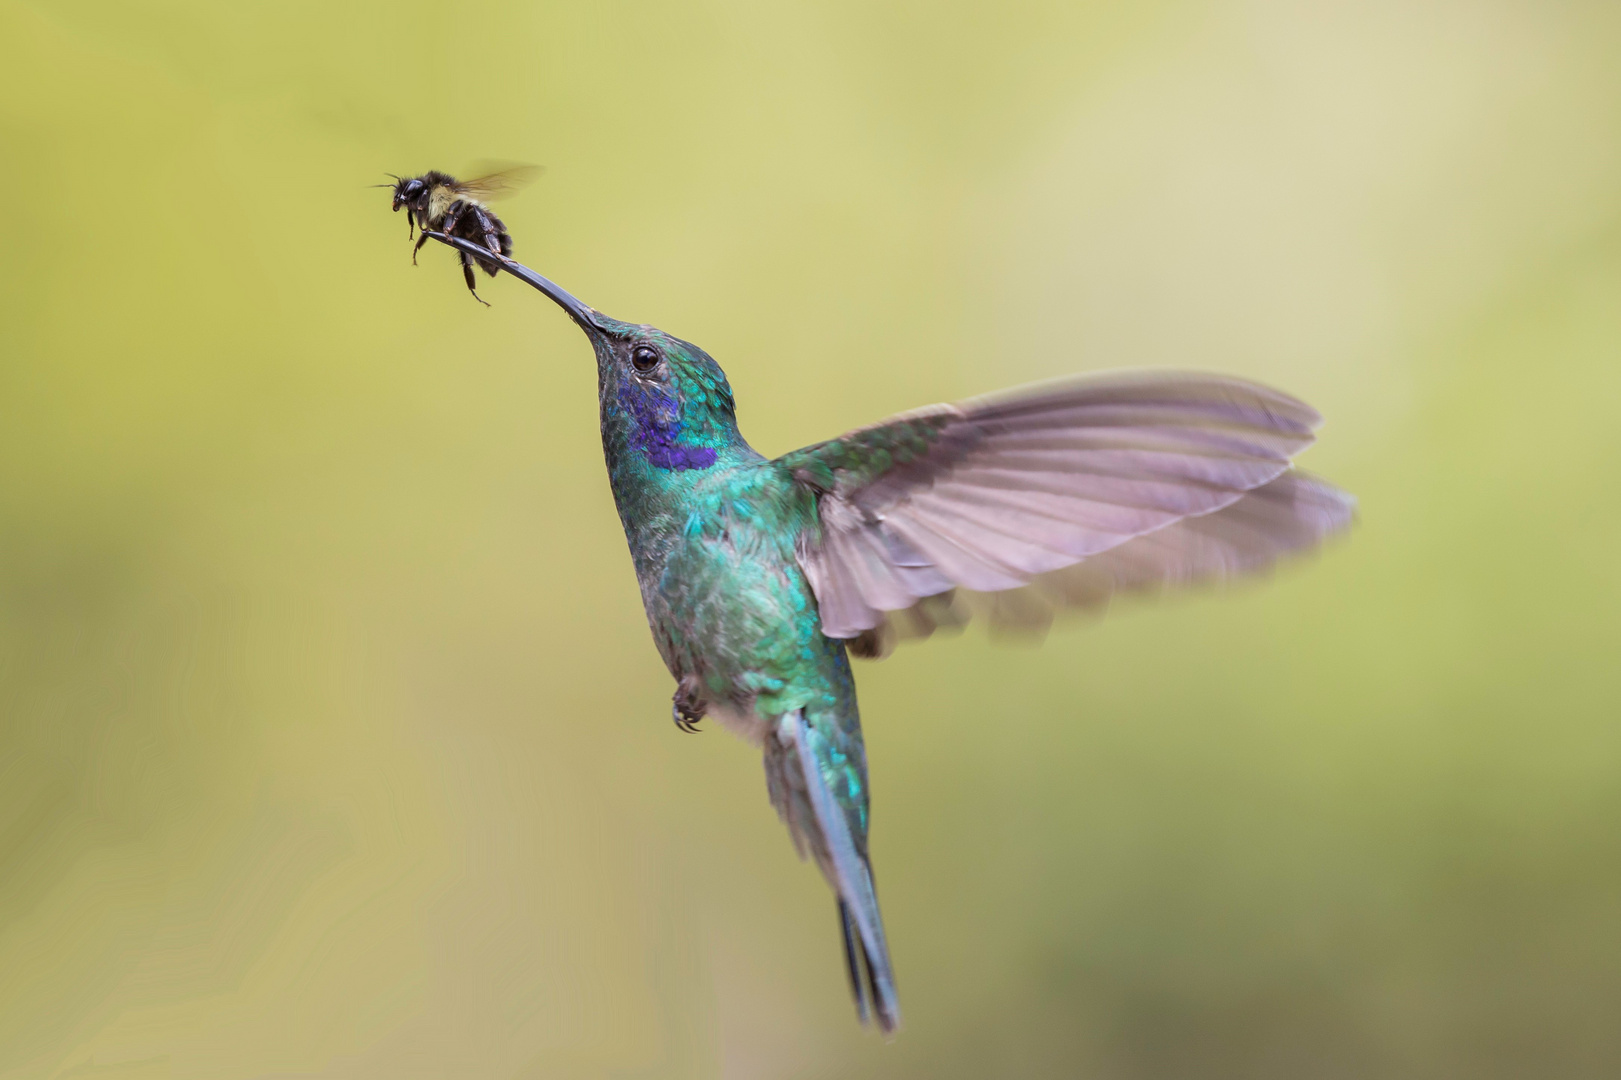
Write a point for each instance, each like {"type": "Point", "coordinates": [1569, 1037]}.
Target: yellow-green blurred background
{"type": "Point", "coordinates": [332, 742]}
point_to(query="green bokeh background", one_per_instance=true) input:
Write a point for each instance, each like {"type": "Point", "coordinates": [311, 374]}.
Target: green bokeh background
{"type": "Point", "coordinates": [332, 743]}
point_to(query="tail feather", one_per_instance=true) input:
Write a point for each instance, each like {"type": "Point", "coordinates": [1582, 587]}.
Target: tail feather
{"type": "Point", "coordinates": [885, 1007]}
{"type": "Point", "coordinates": [853, 964]}
{"type": "Point", "coordinates": [846, 867]}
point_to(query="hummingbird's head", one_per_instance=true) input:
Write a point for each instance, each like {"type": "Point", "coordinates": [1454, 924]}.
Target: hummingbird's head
{"type": "Point", "coordinates": [662, 396]}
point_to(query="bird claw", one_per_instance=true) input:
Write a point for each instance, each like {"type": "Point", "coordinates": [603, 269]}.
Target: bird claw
{"type": "Point", "coordinates": [686, 709]}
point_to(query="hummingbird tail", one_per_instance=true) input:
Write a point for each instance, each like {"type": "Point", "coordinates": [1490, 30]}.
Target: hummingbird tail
{"type": "Point", "coordinates": [865, 950]}
{"type": "Point", "coordinates": [853, 963]}
{"type": "Point", "coordinates": [871, 982]}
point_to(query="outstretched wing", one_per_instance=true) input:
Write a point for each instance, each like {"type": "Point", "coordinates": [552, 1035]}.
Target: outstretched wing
{"type": "Point", "coordinates": [499, 183]}
{"type": "Point", "coordinates": [1065, 492]}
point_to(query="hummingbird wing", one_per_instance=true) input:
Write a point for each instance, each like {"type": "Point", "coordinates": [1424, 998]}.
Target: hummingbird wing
{"type": "Point", "coordinates": [816, 773]}
{"type": "Point", "coordinates": [1056, 495]}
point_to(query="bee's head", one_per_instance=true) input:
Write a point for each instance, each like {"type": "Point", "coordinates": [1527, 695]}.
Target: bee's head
{"type": "Point", "coordinates": [408, 190]}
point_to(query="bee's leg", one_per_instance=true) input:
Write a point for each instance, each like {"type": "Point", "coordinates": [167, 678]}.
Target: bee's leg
{"type": "Point", "coordinates": [423, 239]}
{"type": "Point", "coordinates": [490, 232]}
{"type": "Point", "coordinates": [467, 272]}
{"type": "Point", "coordinates": [452, 218]}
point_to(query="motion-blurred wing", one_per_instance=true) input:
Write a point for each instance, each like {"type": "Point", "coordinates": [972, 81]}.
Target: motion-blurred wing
{"type": "Point", "coordinates": [500, 183]}
{"type": "Point", "coordinates": [1056, 495]}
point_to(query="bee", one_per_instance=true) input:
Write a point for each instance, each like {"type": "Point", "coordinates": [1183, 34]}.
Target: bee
{"type": "Point", "coordinates": [438, 202]}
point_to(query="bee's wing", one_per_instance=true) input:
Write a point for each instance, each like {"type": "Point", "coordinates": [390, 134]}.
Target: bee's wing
{"type": "Point", "coordinates": [499, 183]}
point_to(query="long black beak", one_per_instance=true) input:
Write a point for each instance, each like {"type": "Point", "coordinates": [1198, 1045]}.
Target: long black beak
{"type": "Point", "coordinates": [585, 316]}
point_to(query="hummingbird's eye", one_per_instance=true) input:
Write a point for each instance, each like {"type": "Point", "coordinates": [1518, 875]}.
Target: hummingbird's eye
{"type": "Point", "coordinates": [644, 358]}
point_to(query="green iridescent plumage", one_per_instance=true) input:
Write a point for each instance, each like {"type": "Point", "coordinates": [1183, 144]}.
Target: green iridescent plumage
{"type": "Point", "coordinates": [715, 531]}
{"type": "Point", "coordinates": [759, 576]}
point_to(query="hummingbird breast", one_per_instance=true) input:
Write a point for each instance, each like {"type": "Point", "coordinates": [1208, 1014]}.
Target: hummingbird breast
{"type": "Point", "coordinates": [728, 603]}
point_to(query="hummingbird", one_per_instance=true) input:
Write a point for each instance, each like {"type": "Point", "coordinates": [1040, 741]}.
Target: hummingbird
{"type": "Point", "coordinates": [762, 576]}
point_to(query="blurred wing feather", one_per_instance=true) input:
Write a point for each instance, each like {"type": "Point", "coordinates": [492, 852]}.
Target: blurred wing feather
{"type": "Point", "coordinates": [1057, 495]}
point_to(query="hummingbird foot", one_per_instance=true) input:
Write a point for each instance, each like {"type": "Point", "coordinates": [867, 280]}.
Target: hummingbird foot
{"type": "Point", "coordinates": [686, 721]}
{"type": "Point", "coordinates": [687, 708]}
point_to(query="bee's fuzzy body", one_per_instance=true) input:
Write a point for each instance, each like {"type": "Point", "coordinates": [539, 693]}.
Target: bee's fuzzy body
{"type": "Point", "coordinates": [438, 202]}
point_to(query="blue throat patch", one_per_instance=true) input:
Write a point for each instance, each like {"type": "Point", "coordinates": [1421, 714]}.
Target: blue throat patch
{"type": "Point", "coordinates": [658, 426]}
